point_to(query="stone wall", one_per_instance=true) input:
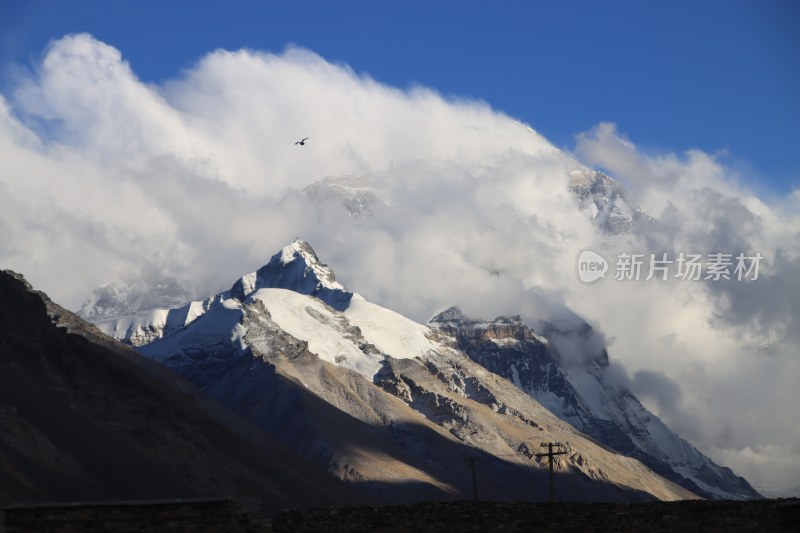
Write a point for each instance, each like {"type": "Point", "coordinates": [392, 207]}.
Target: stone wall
{"type": "Point", "coordinates": [685, 516]}
{"type": "Point", "coordinates": [194, 516]}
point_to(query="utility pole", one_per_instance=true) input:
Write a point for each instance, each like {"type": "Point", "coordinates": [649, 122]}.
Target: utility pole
{"type": "Point", "coordinates": [550, 454]}
{"type": "Point", "coordinates": [474, 479]}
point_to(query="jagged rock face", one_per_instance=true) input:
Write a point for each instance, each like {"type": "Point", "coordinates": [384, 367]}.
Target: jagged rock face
{"type": "Point", "coordinates": [503, 330]}
{"type": "Point", "coordinates": [606, 201]}
{"type": "Point", "coordinates": [577, 391]}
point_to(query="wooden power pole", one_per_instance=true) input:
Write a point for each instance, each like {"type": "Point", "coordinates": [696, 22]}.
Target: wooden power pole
{"type": "Point", "coordinates": [550, 454]}
{"type": "Point", "coordinates": [474, 479]}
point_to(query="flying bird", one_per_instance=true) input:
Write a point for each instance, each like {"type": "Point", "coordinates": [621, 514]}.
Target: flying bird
{"type": "Point", "coordinates": [303, 141]}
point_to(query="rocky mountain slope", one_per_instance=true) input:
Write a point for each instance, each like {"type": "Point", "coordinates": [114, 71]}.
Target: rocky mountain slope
{"type": "Point", "coordinates": [84, 417]}
{"type": "Point", "coordinates": [374, 397]}
{"type": "Point", "coordinates": [605, 201]}
{"type": "Point", "coordinates": [579, 392]}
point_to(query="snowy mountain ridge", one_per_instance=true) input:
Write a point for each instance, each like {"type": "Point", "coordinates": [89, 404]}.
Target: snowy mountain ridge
{"type": "Point", "coordinates": [296, 268]}
{"type": "Point", "coordinates": [293, 305]}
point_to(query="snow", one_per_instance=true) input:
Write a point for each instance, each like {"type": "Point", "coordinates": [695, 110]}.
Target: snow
{"type": "Point", "coordinates": [295, 267]}
{"type": "Point", "coordinates": [677, 452]}
{"type": "Point", "coordinates": [390, 332]}
{"type": "Point", "coordinates": [154, 318]}
{"type": "Point", "coordinates": [505, 341]}
{"type": "Point", "coordinates": [297, 250]}
{"type": "Point", "coordinates": [325, 330]}
{"type": "Point", "coordinates": [146, 326]}
{"type": "Point", "coordinates": [218, 323]}
{"type": "Point", "coordinates": [330, 335]}
{"type": "Point", "coordinates": [688, 473]}
{"type": "Point", "coordinates": [515, 377]}
{"type": "Point", "coordinates": [556, 404]}
{"type": "Point", "coordinates": [539, 338]}
{"type": "Point", "coordinates": [289, 253]}
{"type": "Point", "coordinates": [249, 283]}
{"type": "Point", "coordinates": [590, 391]}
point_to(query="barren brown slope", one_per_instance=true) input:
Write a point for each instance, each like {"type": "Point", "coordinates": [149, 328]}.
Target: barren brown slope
{"type": "Point", "coordinates": [85, 418]}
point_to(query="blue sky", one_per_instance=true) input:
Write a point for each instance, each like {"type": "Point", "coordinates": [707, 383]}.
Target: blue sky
{"type": "Point", "coordinates": [714, 75]}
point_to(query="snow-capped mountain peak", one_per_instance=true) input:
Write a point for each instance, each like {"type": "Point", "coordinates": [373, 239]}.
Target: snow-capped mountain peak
{"type": "Point", "coordinates": [296, 268]}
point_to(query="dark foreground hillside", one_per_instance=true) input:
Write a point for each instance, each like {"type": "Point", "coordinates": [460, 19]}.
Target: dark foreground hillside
{"type": "Point", "coordinates": [85, 418]}
{"type": "Point", "coordinates": [212, 516]}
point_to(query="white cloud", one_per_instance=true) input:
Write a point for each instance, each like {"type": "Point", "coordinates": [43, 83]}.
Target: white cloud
{"type": "Point", "coordinates": [102, 173]}
{"type": "Point", "coordinates": [603, 146]}
{"type": "Point", "coordinates": [731, 346]}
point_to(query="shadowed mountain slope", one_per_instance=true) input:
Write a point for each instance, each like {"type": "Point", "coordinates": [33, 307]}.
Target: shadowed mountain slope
{"type": "Point", "coordinates": [83, 417]}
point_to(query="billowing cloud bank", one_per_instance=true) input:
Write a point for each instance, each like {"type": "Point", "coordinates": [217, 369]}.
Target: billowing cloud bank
{"type": "Point", "coordinates": [104, 177]}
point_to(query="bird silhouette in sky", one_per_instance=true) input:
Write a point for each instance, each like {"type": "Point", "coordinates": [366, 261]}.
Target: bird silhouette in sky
{"type": "Point", "coordinates": [303, 141]}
